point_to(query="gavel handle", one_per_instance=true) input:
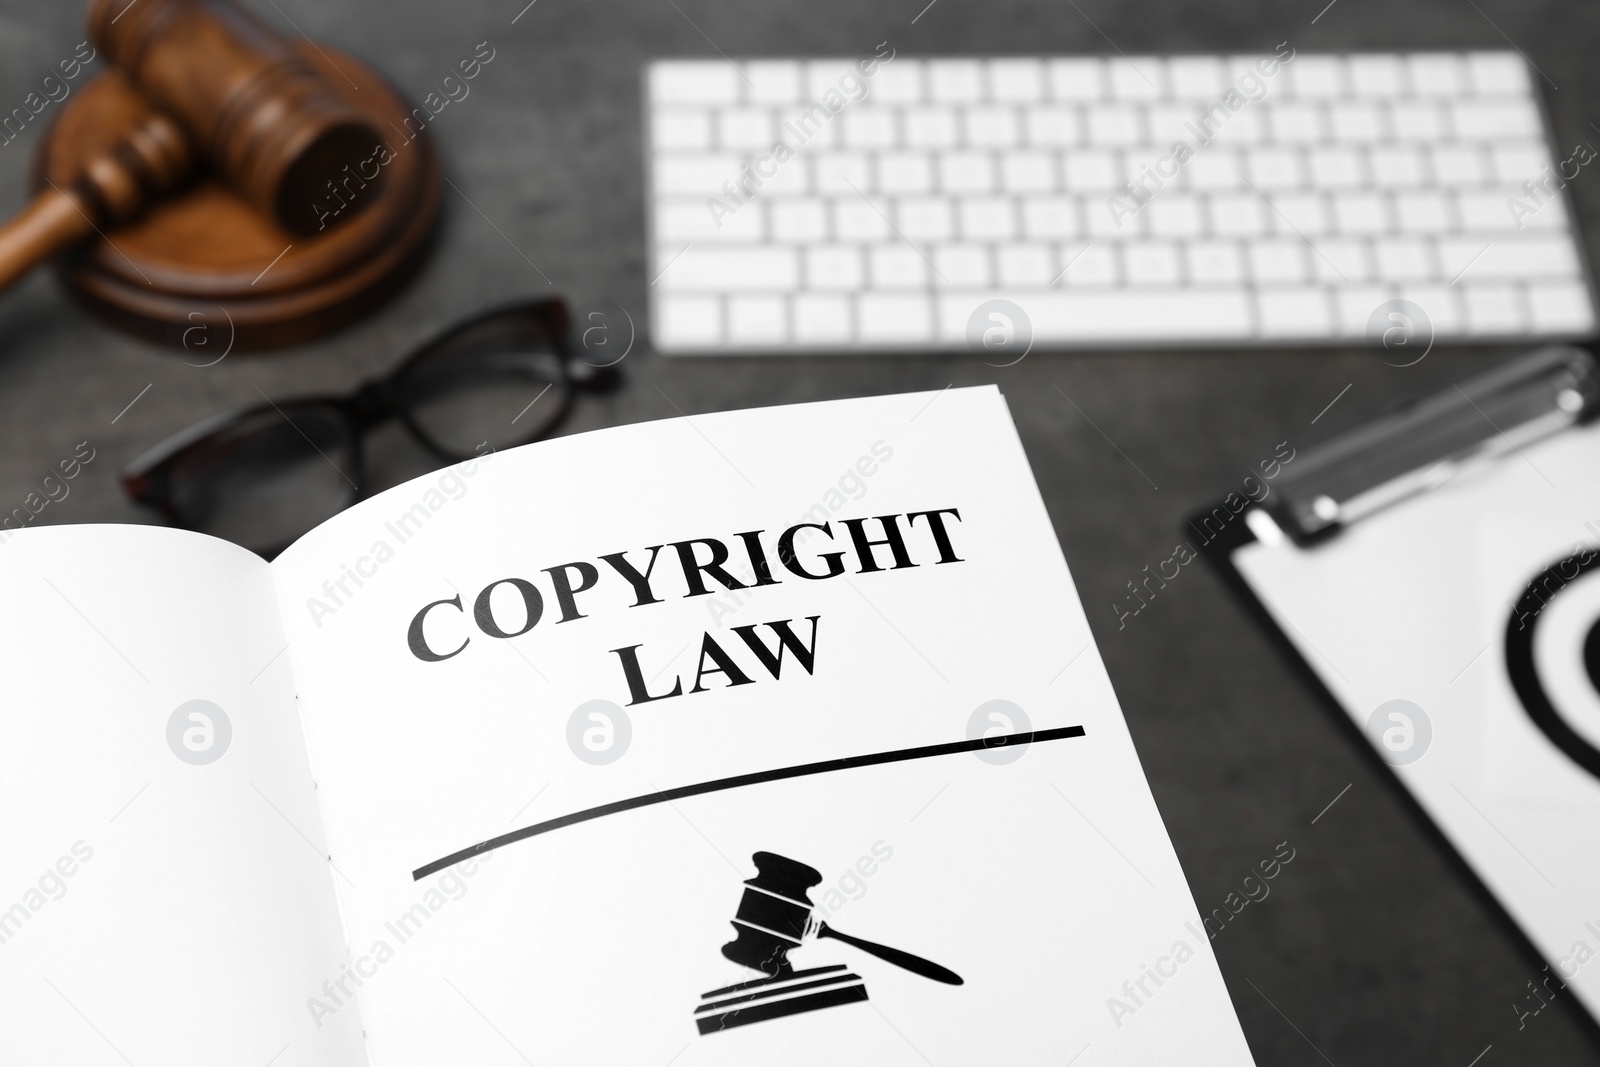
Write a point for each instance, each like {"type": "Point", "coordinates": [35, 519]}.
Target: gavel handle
{"type": "Point", "coordinates": [52, 221]}
{"type": "Point", "coordinates": [914, 964]}
{"type": "Point", "coordinates": [149, 159]}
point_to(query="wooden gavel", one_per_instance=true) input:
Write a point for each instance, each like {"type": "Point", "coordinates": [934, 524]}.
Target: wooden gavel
{"type": "Point", "coordinates": [217, 86]}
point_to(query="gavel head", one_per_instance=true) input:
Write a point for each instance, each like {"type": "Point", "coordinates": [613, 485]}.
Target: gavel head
{"type": "Point", "coordinates": [774, 914]}
{"type": "Point", "coordinates": [252, 104]}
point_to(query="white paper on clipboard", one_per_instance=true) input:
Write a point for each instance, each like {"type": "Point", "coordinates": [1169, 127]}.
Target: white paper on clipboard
{"type": "Point", "coordinates": [1414, 603]}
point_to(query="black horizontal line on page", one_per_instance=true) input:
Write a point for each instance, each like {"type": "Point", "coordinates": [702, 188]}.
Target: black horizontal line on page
{"type": "Point", "coordinates": [871, 759]}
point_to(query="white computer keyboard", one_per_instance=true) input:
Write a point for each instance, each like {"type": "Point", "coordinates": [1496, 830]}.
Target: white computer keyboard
{"type": "Point", "coordinates": [902, 203]}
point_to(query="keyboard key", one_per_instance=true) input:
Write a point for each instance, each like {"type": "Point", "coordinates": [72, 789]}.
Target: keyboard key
{"type": "Point", "coordinates": [1089, 266]}
{"type": "Point", "coordinates": [928, 127]}
{"type": "Point", "coordinates": [745, 128]}
{"type": "Point", "coordinates": [1122, 224]}
{"type": "Point", "coordinates": [681, 220]}
{"type": "Point", "coordinates": [894, 318]}
{"type": "Point", "coordinates": [1355, 305]}
{"type": "Point", "coordinates": [1025, 266]}
{"type": "Point", "coordinates": [1341, 260]}
{"type": "Point", "coordinates": [1195, 78]}
{"type": "Point", "coordinates": [824, 75]}
{"type": "Point", "coordinates": [1492, 310]}
{"type": "Point", "coordinates": [1337, 168]}
{"type": "Point", "coordinates": [680, 127]}
{"type": "Point", "coordinates": [1275, 168]}
{"type": "Point", "coordinates": [1377, 77]}
{"type": "Point", "coordinates": [798, 221]}
{"type": "Point", "coordinates": [1214, 262]}
{"type": "Point", "coordinates": [1522, 257]}
{"type": "Point", "coordinates": [728, 269]}
{"type": "Point", "coordinates": [693, 82]}
{"type": "Point", "coordinates": [987, 219]}
{"type": "Point", "coordinates": [925, 219]}
{"type": "Point", "coordinates": [1361, 212]}
{"type": "Point", "coordinates": [1487, 212]}
{"type": "Point", "coordinates": [1538, 213]}
{"type": "Point", "coordinates": [859, 220]}
{"type": "Point", "coordinates": [1215, 168]}
{"type": "Point", "coordinates": [694, 175]}
{"type": "Point", "coordinates": [896, 267]}
{"type": "Point", "coordinates": [1560, 307]}
{"type": "Point", "coordinates": [1442, 304]}
{"type": "Point", "coordinates": [1359, 122]}
{"type": "Point", "coordinates": [811, 128]}
{"type": "Point", "coordinates": [1300, 311]}
{"type": "Point", "coordinates": [1052, 127]}
{"type": "Point", "coordinates": [1111, 315]}
{"type": "Point", "coordinates": [1016, 81]}
{"type": "Point", "coordinates": [1114, 124]}
{"type": "Point", "coordinates": [760, 320]}
{"type": "Point", "coordinates": [1176, 214]}
{"type": "Point", "coordinates": [1150, 263]}
{"type": "Point", "coordinates": [958, 265]}
{"type": "Point", "coordinates": [834, 267]}
{"type": "Point", "coordinates": [1300, 214]}
{"type": "Point", "coordinates": [905, 172]}
{"type": "Point", "coordinates": [772, 82]}
{"type": "Point", "coordinates": [871, 127]}
{"type": "Point", "coordinates": [899, 82]}
{"type": "Point", "coordinates": [1414, 121]}
{"type": "Point", "coordinates": [822, 319]}
{"type": "Point", "coordinates": [1495, 119]}
{"type": "Point", "coordinates": [966, 172]}
{"type": "Point", "coordinates": [1499, 74]}
{"type": "Point", "coordinates": [1518, 162]}
{"type": "Point", "coordinates": [1028, 172]}
{"type": "Point", "coordinates": [992, 127]}
{"type": "Point", "coordinates": [1404, 259]}
{"type": "Point", "coordinates": [1458, 165]}
{"type": "Point", "coordinates": [1137, 78]}
{"type": "Point", "coordinates": [1398, 166]}
{"type": "Point", "coordinates": [1050, 216]}
{"type": "Point", "coordinates": [1460, 257]}
{"type": "Point", "coordinates": [1165, 126]}
{"type": "Point", "coordinates": [1437, 74]}
{"type": "Point", "coordinates": [687, 321]}
{"type": "Point", "coordinates": [1242, 128]}
{"type": "Point", "coordinates": [841, 172]}
{"type": "Point", "coordinates": [1077, 80]}
{"type": "Point", "coordinates": [1317, 77]}
{"type": "Point", "coordinates": [1277, 260]}
{"type": "Point", "coordinates": [1424, 212]}
{"type": "Point", "coordinates": [1298, 123]}
{"type": "Point", "coordinates": [1091, 171]}
{"type": "Point", "coordinates": [955, 81]}
{"type": "Point", "coordinates": [1238, 215]}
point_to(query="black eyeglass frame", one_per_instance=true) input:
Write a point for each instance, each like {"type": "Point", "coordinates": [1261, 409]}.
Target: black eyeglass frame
{"type": "Point", "coordinates": [540, 328]}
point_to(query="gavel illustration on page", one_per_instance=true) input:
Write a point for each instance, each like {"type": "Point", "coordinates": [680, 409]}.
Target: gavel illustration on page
{"type": "Point", "coordinates": [218, 84]}
{"type": "Point", "coordinates": [774, 917]}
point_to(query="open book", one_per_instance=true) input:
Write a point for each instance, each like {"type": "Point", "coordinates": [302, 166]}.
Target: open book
{"type": "Point", "coordinates": [763, 737]}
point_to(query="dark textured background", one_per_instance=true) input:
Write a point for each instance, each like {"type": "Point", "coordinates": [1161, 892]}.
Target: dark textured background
{"type": "Point", "coordinates": [1374, 941]}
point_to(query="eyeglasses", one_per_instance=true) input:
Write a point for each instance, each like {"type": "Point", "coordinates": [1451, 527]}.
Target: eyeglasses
{"type": "Point", "coordinates": [263, 476]}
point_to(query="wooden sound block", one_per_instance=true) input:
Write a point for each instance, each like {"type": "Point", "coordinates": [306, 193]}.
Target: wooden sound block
{"type": "Point", "coordinates": [204, 257]}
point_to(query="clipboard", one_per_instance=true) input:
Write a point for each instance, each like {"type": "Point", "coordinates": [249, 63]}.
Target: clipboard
{"type": "Point", "coordinates": [1438, 571]}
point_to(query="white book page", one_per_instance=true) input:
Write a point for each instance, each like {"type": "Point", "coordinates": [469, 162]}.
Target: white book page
{"type": "Point", "coordinates": [1046, 883]}
{"type": "Point", "coordinates": [156, 908]}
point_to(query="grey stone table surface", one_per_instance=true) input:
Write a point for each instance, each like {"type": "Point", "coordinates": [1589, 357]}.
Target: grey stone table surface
{"type": "Point", "coordinates": [1375, 946]}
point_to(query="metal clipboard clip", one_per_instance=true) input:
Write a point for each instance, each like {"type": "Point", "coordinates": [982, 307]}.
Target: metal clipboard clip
{"type": "Point", "coordinates": [1431, 441]}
